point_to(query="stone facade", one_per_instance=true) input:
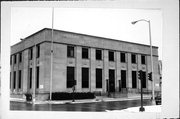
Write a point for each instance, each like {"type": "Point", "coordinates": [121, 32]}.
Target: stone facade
{"type": "Point", "coordinates": [62, 39]}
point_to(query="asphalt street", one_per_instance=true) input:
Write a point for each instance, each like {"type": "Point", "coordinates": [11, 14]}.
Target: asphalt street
{"type": "Point", "coordinates": [92, 107]}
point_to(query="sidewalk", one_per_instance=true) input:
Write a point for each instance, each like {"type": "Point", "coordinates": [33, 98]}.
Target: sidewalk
{"type": "Point", "coordinates": [151, 112]}
{"type": "Point", "coordinates": [97, 99]}
{"type": "Point", "coordinates": [152, 108]}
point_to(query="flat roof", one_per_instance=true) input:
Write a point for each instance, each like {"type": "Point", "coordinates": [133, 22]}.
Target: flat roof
{"type": "Point", "coordinates": [104, 38]}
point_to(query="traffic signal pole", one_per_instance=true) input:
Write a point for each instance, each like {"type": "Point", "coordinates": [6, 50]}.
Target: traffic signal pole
{"type": "Point", "coordinates": [141, 109]}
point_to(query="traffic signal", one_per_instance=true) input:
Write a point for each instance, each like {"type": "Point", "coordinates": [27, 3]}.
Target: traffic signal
{"type": "Point", "coordinates": [150, 76]}
{"type": "Point", "coordinates": [140, 74]}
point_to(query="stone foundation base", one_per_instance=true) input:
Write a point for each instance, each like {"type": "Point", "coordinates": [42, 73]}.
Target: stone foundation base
{"type": "Point", "coordinates": [123, 93]}
{"type": "Point", "coordinates": [40, 96]}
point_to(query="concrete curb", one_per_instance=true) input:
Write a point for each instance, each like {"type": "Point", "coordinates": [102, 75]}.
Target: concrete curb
{"type": "Point", "coordinates": [79, 101]}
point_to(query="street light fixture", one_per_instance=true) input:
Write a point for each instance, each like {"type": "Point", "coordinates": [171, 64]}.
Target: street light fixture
{"type": "Point", "coordinates": [148, 21]}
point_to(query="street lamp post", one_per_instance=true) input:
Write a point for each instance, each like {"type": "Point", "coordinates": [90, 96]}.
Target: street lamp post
{"type": "Point", "coordinates": [34, 83]}
{"type": "Point", "coordinates": [134, 22]}
{"type": "Point", "coordinates": [51, 73]}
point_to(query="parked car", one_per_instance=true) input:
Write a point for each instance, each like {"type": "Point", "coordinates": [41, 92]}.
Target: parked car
{"type": "Point", "coordinates": [158, 99]}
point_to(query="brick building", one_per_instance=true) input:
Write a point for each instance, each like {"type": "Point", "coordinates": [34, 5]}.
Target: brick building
{"type": "Point", "coordinates": [97, 64]}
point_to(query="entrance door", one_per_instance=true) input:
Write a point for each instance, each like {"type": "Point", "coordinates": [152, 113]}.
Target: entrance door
{"type": "Point", "coordinates": [111, 80]}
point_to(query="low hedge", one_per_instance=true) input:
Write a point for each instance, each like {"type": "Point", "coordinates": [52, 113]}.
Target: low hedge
{"type": "Point", "coordinates": [69, 96]}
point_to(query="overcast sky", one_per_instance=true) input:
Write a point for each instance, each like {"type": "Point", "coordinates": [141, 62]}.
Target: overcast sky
{"type": "Point", "coordinates": [103, 22]}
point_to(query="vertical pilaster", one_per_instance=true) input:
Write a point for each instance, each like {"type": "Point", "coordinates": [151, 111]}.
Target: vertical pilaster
{"type": "Point", "coordinates": [78, 69]}
{"type": "Point", "coordinates": [17, 79]}
{"type": "Point", "coordinates": [21, 69]}
{"type": "Point", "coordinates": [34, 70]}
{"type": "Point", "coordinates": [41, 67]}
{"type": "Point", "coordinates": [17, 72]}
{"type": "Point", "coordinates": [138, 69]}
{"type": "Point", "coordinates": [129, 71]}
{"type": "Point", "coordinates": [25, 71]}
{"type": "Point", "coordinates": [12, 73]}
{"type": "Point", "coordinates": [105, 69]}
{"type": "Point", "coordinates": [148, 65]}
{"type": "Point", "coordinates": [92, 69]}
{"type": "Point", "coordinates": [156, 74]}
{"type": "Point", "coordinates": [117, 71]}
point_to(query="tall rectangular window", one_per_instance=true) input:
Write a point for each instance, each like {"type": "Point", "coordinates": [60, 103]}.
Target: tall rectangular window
{"type": "Point", "coordinates": [123, 57]}
{"type": "Point", "coordinates": [144, 79]}
{"type": "Point", "coordinates": [123, 78]}
{"type": "Point", "coordinates": [111, 80]}
{"type": "Point", "coordinates": [70, 77]}
{"type": "Point", "coordinates": [20, 57]}
{"type": "Point", "coordinates": [98, 54]}
{"type": "Point", "coordinates": [111, 56]}
{"type": "Point", "coordinates": [30, 78]}
{"type": "Point", "coordinates": [14, 81]}
{"type": "Point", "coordinates": [19, 82]}
{"type": "Point", "coordinates": [98, 78]}
{"type": "Point", "coordinates": [85, 77]}
{"type": "Point", "coordinates": [30, 53]}
{"type": "Point", "coordinates": [37, 51]}
{"type": "Point", "coordinates": [143, 59]}
{"type": "Point", "coordinates": [134, 79]}
{"type": "Point", "coordinates": [11, 60]}
{"type": "Point", "coordinates": [133, 58]}
{"type": "Point", "coordinates": [10, 81]}
{"type": "Point", "coordinates": [37, 77]}
{"type": "Point", "coordinates": [85, 53]}
{"type": "Point", "coordinates": [70, 51]}
{"type": "Point", "coordinates": [14, 58]}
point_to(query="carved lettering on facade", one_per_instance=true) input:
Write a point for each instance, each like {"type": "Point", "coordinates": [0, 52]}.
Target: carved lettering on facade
{"type": "Point", "coordinates": [123, 67]}
{"type": "Point", "coordinates": [70, 62]}
{"type": "Point", "coordinates": [84, 63]}
{"type": "Point", "coordinates": [133, 67]}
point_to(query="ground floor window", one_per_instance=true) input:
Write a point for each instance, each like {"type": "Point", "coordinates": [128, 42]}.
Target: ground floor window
{"type": "Point", "coordinates": [119, 85]}
{"type": "Point", "coordinates": [134, 79]}
{"type": "Point", "coordinates": [19, 85]}
{"type": "Point", "coordinates": [98, 78]}
{"type": "Point", "coordinates": [70, 77]}
{"type": "Point", "coordinates": [85, 77]}
{"type": "Point", "coordinates": [14, 81]}
{"type": "Point", "coordinates": [10, 81]}
{"type": "Point", "coordinates": [111, 80]}
{"type": "Point", "coordinates": [123, 78]}
{"type": "Point", "coordinates": [37, 77]}
{"type": "Point", "coordinates": [144, 79]}
{"type": "Point", "coordinates": [30, 78]}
